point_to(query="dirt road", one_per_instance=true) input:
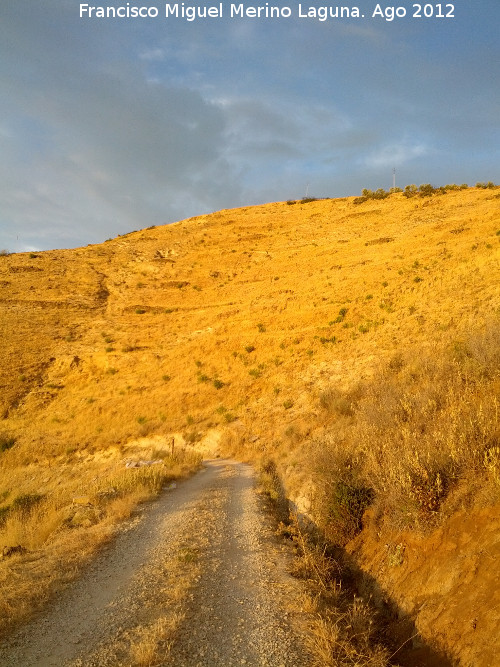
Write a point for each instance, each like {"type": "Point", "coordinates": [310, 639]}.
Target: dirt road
{"type": "Point", "coordinates": [197, 579]}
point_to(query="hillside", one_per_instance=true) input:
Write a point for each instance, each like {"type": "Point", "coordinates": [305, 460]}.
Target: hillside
{"type": "Point", "coordinates": [258, 331]}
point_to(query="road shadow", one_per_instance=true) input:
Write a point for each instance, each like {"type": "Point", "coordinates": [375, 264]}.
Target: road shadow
{"type": "Point", "coordinates": [398, 630]}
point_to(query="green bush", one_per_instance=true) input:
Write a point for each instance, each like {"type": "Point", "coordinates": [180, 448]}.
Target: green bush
{"type": "Point", "coordinates": [410, 191]}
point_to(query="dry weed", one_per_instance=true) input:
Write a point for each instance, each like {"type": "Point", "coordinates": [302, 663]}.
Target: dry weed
{"type": "Point", "coordinates": [420, 428]}
{"type": "Point", "coordinates": [151, 640]}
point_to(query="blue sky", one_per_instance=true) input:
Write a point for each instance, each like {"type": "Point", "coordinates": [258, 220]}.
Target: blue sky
{"type": "Point", "coordinates": [111, 125]}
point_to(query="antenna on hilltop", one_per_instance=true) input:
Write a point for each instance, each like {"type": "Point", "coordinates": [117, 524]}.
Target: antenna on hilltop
{"type": "Point", "coordinates": [394, 178]}
{"type": "Point", "coordinates": [307, 190]}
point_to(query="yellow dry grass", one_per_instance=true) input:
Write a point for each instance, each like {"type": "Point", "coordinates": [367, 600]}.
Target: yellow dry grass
{"type": "Point", "coordinates": [260, 324]}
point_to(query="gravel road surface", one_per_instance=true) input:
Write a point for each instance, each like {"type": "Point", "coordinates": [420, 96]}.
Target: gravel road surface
{"type": "Point", "coordinates": [198, 578]}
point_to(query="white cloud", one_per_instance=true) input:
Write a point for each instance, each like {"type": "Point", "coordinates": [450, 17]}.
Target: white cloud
{"type": "Point", "coordinates": [395, 155]}
{"type": "Point", "coordinates": [152, 55]}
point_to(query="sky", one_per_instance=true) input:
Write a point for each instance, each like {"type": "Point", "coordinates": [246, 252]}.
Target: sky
{"type": "Point", "coordinates": [112, 125]}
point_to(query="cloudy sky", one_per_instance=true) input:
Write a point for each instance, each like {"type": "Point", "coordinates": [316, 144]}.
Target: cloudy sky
{"type": "Point", "coordinates": [111, 125]}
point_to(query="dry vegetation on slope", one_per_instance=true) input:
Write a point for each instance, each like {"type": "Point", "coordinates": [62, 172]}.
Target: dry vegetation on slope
{"type": "Point", "coordinates": [354, 345]}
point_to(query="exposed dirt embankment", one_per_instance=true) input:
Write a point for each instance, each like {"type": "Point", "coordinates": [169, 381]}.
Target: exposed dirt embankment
{"type": "Point", "coordinates": [446, 583]}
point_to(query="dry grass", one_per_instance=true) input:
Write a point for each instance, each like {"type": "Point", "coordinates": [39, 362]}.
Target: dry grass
{"type": "Point", "coordinates": [344, 629]}
{"type": "Point", "coordinates": [269, 324]}
{"type": "Point", "coordinates": [62, 530]}
{"type": "Point", "coordinates": [422, 427]}
{"type": "Point", "coordinates": [150, 640]}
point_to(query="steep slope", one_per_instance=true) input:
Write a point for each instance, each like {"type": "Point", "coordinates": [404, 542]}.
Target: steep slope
{"type": "Point", "coordinates": [243, 328]}
{"type": "Point", "coordinates": [90, 332]}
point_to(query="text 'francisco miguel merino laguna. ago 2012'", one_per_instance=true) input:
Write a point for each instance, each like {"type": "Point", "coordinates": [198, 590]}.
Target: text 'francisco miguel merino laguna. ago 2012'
{"type": "Point", "coordinates": [239, 11]}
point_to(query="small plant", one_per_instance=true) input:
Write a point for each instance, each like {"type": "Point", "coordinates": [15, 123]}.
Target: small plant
{"type": "Point", "coordinates": [6, 443]}
{"type": "Point", "coordinates": [218, 384]}
{"type": "Point", "coordinates": [255, 372]}
{"type": "Point", "coordinates": [26, 502]}
{"type": "Point", "coordinates": [112, 371]}
{"type": "Point", "coordinates": [288, 404]}
{"type": "Point", "coordinates": [249, 348]}
{"type": "Point", "coordinates": [340, 317]}
{"type": "Point", "coordinates": [142, 420]}
{"type": "Point", "coordinates": [261, 327]}
{"type": "Point", "coordinates": [166, 378]}
{"type": "Point", "coordinates": [140, 311]}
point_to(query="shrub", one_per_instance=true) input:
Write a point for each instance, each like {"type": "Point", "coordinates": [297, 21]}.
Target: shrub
{"type": "Point", "coordinates": [26, 502]}
{"type": "Point", "coordinates": [6, 442]}
{"type": "Point", "coordinates": [371, 194]}
{"type": "Point", "coordinates": [426, 190]}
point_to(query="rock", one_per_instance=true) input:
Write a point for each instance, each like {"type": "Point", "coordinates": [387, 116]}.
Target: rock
{"type": "Point", "coordinates": [85, 517]}
{"type": "Point", "coordinates": [82, 500]}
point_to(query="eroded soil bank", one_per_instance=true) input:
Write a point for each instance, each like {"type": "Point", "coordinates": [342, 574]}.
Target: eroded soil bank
{"type": "Point", "coordinates": [445, 585]}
